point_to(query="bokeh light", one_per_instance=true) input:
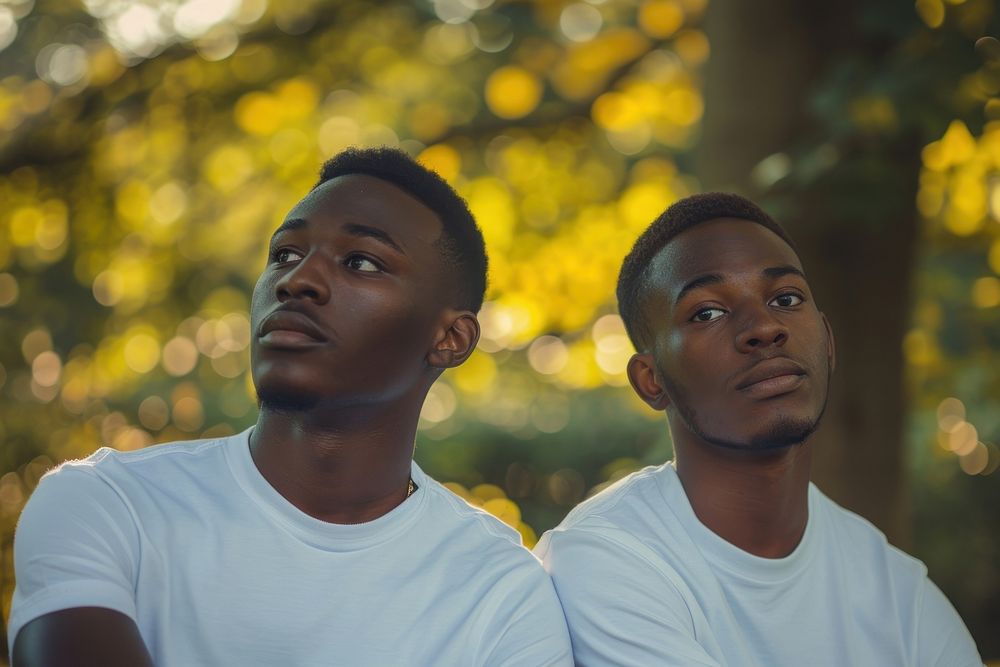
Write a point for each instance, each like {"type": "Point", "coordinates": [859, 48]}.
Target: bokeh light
{"type": "Point", "coordinates": [156, 145]}
{"type": "Point", "coordinates": [513, 92]}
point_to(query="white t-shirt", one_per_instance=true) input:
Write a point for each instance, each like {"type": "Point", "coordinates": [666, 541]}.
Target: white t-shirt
{"type": "Point", "coordinates": [217, 568]}
{"type": "Point", "coordinates": [643, 582]}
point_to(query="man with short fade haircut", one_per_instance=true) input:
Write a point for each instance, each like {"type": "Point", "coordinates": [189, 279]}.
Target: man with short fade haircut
{"type": "Point", "coordinates": [312, 538]}
{"type": "Point", "coordinates": [728, 555]}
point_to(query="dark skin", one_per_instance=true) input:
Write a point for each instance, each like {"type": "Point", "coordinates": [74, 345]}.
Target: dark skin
{"type": "Point", "coordinates": [740, 360]}
{"type": "Point", "coordinates": [364, 269]}
{"type": "Point", "coordinates": [353, 320]}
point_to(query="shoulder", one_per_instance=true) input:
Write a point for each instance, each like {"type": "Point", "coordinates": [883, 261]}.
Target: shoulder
{"type": "Point", "coordinates": [105, 483]}
{"type": "Point", "coordinates": [879, 574]}
{"type": "Point", "coordinates": [150, 467]}
{"type": "Point", "coordinates": [167, 454]}
{"type": "Point", "coordinates": [115, 484]}
{"type": "Point", "coordinates": [464, 531]}
{"type": "Point", "coordinates": [617, 514]}
{"type": "Point", "coordinates": [474, 523]}
{"type": "Point", "coordinates": [941, 637]}
{"type": "Point", "coordinates": [860, 540]}
{"type": "Point", "coordinates": [525, 624]}
{"type": "Point", "coordinates": [624, 499]}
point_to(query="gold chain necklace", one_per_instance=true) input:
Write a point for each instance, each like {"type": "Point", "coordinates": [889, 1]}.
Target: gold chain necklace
{"type": "Point", "coordinates": [410, 488]}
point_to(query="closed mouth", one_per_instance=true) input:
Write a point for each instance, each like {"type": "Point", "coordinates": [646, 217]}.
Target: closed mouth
{"type": "Point", "coordinates": [291, 321]}
{"type": "Point", "coordinates": [769, 370]}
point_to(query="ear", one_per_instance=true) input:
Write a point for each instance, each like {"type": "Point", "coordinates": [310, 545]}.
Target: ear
{"type": "Point", "coordinates": [831, 346]}
{"type": "Point", "coordinates": [645, 380]}
{"type": "Point", "coordinates": [455, 341]}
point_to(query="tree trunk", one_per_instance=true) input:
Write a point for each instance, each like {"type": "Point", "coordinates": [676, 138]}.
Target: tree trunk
{"type": "Point", "coordinates": [854, 223]}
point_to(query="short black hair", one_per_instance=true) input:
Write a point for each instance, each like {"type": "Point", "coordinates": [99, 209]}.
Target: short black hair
{"type": "Point", "coordinates": [681, 215]}
{"type": "Point", "coordinates": [461, 242]}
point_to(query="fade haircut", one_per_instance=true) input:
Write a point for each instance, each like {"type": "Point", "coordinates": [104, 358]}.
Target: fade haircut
{"type": "Point", "coordinates": [633, 280]}
{"type": "Point", "coordinates": [461, 242]}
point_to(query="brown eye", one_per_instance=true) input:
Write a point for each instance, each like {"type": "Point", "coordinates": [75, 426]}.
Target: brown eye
{"type": "Point", "coordinates": [787, 300]}
{"type": "Point", "coordinates": [363, 264]}
{"type": "Point", "coordinates": [283, 255]}
{"type": "Point", "coordinates": [708, 315]}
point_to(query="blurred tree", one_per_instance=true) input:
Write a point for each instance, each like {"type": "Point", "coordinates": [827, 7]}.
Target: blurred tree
{"type": "Point", "coordinates": [148, 148]}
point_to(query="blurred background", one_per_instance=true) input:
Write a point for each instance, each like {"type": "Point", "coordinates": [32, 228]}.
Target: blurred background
{"type": "Point", "coordinates": [149, 148]}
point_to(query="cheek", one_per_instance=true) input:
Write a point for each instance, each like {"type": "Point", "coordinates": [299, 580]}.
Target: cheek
{"type": "Point", "coordinates": [821, 347]}
{"type": "Point", "coordinates": [257, 300]}
{"type": "Point", "coordinates": [396, 330]}
{"type": "Point", "coordinates": [695, 367]}
{"type": "Point", "coordinates": [669, 348]}
{"type": "Point", "coordinates": [686, 357]}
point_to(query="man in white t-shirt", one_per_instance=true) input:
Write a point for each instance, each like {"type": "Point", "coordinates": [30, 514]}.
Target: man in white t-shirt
{"type": "Point", "coordinates": [312, 538]}
{"type": "Point", "coordinates": [727, 555]}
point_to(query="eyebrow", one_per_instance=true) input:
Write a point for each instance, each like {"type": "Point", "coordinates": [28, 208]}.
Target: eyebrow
{"type": "Point", "coordinates": [696, 283]}
{"type": "Point", "coordinates": [354, 229]}
{"type": "Point", "coordinates": [289, 225]}
{"type": "Point", "coordinates": [771, 272]}
{"type": "Point", "coordinates": [781, 271]}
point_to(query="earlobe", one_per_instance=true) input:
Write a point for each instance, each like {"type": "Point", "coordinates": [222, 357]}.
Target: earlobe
{"type": "Point", "coordinates": [456, 340]}
{"type": "Point", "coordinates": [642, 375]}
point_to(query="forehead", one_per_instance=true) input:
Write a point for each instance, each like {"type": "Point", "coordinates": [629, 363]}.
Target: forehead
{"type": "Point", "coordinates": [728, 247]}
{"type": "Point", "coordinates": [367, 200]}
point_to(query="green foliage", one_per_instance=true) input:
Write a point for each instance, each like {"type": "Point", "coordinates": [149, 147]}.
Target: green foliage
{"type": "Point", "coordinates": [142, 169]}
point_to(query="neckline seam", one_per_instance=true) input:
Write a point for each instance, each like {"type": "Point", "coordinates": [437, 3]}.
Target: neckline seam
{"type": "Point", "coordinates": [723, 555]}
{"type": "Point", "coordinates": [316, 533]}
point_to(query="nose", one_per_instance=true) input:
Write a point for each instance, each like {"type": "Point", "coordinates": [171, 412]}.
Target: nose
{"type": "Point", "coordinates": [761, 330]}
{"type": "Point", "coordinates": [305, 280]}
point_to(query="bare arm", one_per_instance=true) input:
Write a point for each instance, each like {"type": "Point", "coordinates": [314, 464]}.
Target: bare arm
{"type": "Point", "coordinates": [82, 636]}
{"type": "Point", "coordinates": [76, 558]}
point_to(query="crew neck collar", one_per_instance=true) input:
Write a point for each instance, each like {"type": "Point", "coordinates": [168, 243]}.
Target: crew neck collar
{"type": "Point", "coordinates": [726, 556]}
{"type": "Point", "coordinates": [316, 532]}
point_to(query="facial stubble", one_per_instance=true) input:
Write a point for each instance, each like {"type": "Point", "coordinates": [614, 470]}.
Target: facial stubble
{"type": "Point", "coordinates": [783, 432]}
{"type": "Point", "coordinates": [285, 402]}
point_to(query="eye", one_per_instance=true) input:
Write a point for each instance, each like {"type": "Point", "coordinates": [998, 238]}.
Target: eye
{"type": "Point", "coordinates": [283, 255]}
{"type": "Point", "coordinates": [708, 315]}
{"type": "Point", "coordinates": [363, 264]}
{"type": "Point", "coordinates": [788, 300]}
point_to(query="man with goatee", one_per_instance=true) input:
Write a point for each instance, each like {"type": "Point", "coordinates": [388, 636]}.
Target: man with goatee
{"type": "Point", "coordinates": [312, 538]}
{"type": "Point", "coordinates": [728, 555]}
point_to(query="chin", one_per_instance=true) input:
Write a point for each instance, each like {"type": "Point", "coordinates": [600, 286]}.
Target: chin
{"type": "Point", "coordinates": [285, 401]}
{"type": "Point", "coordinates": [783, 433]}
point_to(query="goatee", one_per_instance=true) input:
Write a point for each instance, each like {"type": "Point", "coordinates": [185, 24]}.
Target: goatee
{"type": "Point", "coordinates": [285, 402]}
{"type": "Point", "coordinates": [784, 431]}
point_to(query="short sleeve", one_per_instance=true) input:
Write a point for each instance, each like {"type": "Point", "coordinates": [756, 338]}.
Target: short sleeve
{"type": "Point", "coordinates": [533, 630]}
{"type": "Point", "coordinates": [942, 638]}
{"type": "Point", "coordinates": [76, 545]}
{"type": "Point", "coordinates": [620, 609]}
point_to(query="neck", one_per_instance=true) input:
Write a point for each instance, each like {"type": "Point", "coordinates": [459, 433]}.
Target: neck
{"type": "Point", "coordinates": [757, 501]}
{"type": "Point", "coordinates": [346, 465]}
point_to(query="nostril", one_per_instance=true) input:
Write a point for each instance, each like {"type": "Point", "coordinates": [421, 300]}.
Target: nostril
{"type": "Point", "coordinates": [297, 291]}
{"type": "Point", "coordinates": [303, 281]}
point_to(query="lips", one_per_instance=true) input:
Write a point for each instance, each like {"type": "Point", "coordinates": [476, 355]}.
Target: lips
{"type": "Point", "coordinates": [288, 328]}
{"type": "Point", "coordinates": [772, 377]}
